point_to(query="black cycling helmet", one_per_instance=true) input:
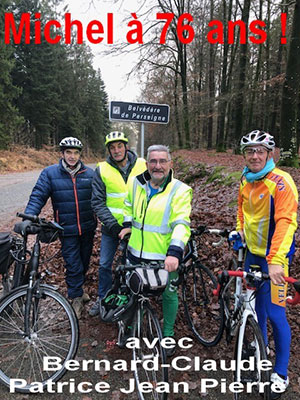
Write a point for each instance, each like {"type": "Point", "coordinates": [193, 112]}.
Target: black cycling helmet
{"type": "Point", "coordinates": [114, 307]}
{"type": "Point", "coordinates": [70, 143]}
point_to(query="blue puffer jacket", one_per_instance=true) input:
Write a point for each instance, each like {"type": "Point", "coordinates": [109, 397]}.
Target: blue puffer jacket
{"type": "Point", "coordinates": [71, 198]}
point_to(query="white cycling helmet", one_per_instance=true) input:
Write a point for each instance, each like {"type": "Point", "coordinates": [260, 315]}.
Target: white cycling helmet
{"type": "Point", "coordinates": [70, 143]}
{"type": "Point", "coordinates": [258, 138]}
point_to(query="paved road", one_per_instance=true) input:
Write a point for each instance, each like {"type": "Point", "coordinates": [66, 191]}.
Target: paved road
{"type": "Point", "coordinates": [15, 189]}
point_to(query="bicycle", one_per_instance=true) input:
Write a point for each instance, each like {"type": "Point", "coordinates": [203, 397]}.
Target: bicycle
{"type": "Point", "coordinates": [128, 304]}
{"type": "Point", "coordinates": [36, 321]}
{"type": "Point", "coordinates": [198, 283]}
{"type": "Point", "coordinates": [12, 248]}
{"type": "Point", "coordinates": [14, 254]}
{"type": "Point", "coordinates": [241, 322]}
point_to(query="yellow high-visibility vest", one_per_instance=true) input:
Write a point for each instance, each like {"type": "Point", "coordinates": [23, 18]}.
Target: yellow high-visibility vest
{"type": "Point", "coordinates": [116, 188]}
{"type": "Point", "coordinates": [162, 221]}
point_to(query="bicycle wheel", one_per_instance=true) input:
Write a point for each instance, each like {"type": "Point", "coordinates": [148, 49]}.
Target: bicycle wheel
{"type": "Point", "coordinates": [251, 347]}
{"type": "Point", "coordinates": [53, 333]}
{"type": "Point", "coordinates": [204, 312]}
{"type": "Point", "coordinates": [146, 326]}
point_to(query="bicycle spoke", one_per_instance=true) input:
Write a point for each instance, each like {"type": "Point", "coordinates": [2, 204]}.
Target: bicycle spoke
{"type": "Point", "coordinates": [204, 313]}
{"type": "Point", "coordinates": [250, 346]}
{"type": "Point", "coordinates": [147, 326]}
{"type": "Point", "coordinates": [53, 332]}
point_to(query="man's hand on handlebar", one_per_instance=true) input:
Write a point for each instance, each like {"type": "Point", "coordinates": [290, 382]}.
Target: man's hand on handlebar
{"type": "Point", "coordinates": [124, 232]}
{"type": "Point", "coordinates": [171, 263]}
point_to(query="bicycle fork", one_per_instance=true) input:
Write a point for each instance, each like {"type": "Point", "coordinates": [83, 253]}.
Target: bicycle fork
{"type": "Point", "coordinates": [29, 295]}
{"type": "Point", "coordinates": [248, 311]}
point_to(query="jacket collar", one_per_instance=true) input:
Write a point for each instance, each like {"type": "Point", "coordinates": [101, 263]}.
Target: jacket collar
{"type": "Point", "coordinates": [130, 155]}
{"type": "Point", "coordinates": [63, 169]}
{"type": "Point", "coordinates": [145, 177]}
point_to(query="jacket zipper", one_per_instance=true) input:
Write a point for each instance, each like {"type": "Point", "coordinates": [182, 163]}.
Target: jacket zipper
{"type": "Point", "coordinates": [76, 202]}
{"type": "Point", "coordinates": [143, 223]}
{"type": "Point", "coordinates": [142, 228]}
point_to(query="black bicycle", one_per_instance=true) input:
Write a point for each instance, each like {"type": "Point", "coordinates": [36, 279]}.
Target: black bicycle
{"type": "Point", "coordinates": [128, 304]}
{"type": "Point", "coordinates": [36, 321]}
{"type": "Point", "coordinates": [9, 245]}
{"type": "Point", "coordinates": [201, 308]}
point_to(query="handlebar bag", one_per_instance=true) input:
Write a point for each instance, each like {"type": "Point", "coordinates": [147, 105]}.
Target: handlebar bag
{"type": "Point", "coordinates": [148, 281]}
{"type": "Point", "coordinates": [5, 246]}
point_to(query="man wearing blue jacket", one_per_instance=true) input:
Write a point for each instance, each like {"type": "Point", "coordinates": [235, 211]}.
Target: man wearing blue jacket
{"type": "Point", "coordinates": [69, 184]}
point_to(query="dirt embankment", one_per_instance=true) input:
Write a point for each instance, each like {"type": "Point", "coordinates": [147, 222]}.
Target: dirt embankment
{"type": "Point", "coordinates": [22, 158]}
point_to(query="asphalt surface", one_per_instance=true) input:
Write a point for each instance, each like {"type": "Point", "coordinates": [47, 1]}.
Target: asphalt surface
{"type": "Point", "coordinates": [15, 189]}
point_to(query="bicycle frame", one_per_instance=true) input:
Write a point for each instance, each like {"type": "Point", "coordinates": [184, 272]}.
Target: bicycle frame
{"type": "Point", "coordinates": [249, 302]}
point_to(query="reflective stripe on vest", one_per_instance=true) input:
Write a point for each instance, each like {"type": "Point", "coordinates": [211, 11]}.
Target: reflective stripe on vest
{"type": "Point", "coordinates": [146, 255]}
{"type": "Point", "coordinates": [152, 225]}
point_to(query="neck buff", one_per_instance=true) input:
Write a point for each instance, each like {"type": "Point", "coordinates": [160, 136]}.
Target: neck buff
{"type": "Point", "coordinates": [256, 176]}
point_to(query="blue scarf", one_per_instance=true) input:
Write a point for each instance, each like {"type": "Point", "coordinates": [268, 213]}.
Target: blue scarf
{"type": "Point", "coordinates": [256, 176]}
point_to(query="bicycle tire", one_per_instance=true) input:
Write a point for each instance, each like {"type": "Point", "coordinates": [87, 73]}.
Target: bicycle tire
{"type": "Point", "coordinates": [54, 332]}
{"type": "Point", "coordinates": [146, 325]}
{"type": "Point", "coordinates": [204, 312]}
{"type": "Point", "coordinates": [253, 346]}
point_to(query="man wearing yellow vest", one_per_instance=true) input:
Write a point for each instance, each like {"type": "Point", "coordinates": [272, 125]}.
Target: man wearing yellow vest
{"type": "Point", "coordinates": [109, 189]}
{"type": "Point", "coordinates": [157, 213]}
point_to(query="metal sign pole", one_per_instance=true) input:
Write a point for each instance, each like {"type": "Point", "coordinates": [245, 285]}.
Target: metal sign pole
{"type": "Point", "coordinates": [142, 139]}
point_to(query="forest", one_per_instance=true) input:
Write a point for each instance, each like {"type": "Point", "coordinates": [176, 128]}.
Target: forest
{"type": "Point", "coordinates": [49, 91]}
{"type": "Point", "coordinates": [217, 89]}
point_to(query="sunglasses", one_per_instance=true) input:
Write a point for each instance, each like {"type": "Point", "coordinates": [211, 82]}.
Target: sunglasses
{"type": "Point", "coordinates": [252, 150]}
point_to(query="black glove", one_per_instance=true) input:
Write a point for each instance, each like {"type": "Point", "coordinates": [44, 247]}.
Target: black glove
{"type": "Point", "coordinates": [115, 230]}
{"type": "Point", "coordinates": [22, 227]}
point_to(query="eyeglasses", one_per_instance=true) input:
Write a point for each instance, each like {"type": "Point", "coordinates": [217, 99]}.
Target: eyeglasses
{"type": "Point", "coordinates": [161, 161]}
{"type": "Point", "coordinates": [260, 151]}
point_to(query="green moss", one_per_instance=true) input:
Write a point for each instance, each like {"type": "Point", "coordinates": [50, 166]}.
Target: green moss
{"type": "Point", "coordinates": [216, 174]}
{"type": "Point", "coordinates": [233, 177]}
{"type": "Point", "coordinates": [232, 204]}
{"type": "Point", "coordinates": [289, 162]}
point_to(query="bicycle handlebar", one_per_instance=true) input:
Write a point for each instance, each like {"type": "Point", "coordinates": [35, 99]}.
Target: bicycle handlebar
{"type": "Point", "coordinates": [32, 224]}
{"type": "Point", "coordinates": [152, 265]}
{"type": "Point", "coordinates": [32, 218]}
{"type": "Point", "coordinates": [223, 233]}
{"type": "Point", "coordinates": [259, 276]}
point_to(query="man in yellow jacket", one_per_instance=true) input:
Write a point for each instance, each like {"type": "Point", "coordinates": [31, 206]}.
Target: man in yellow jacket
{"type": "Point", "coordinates": [109, 189]}
{"type": "Point", "coordinates": [267, 221]}
{"type": "Point", "coordinates": [157, 213]}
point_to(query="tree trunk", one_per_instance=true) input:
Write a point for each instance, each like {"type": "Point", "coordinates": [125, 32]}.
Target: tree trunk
{"type": "Point", "coordinates": [239, 109]}
{"type": "Point", "coordinates": [290, 96]}
{"type": "Point", "coordinates": [220, 143]}
{"type": "Point", "coordinates": [211, 87]}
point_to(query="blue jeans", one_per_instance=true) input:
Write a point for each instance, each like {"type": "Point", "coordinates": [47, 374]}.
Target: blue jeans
{"type": "Point", "coordinates": [76, 251]}
{"type": "Point", "coordinates": [108, 249]}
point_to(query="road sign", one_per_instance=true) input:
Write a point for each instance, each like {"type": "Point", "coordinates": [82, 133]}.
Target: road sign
{"type": "Point", "coordinates": [139, 112]}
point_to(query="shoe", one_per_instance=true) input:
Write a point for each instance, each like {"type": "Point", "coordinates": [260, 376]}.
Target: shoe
{"type": "Point", "coordinates": [123, 340]}
{"type": "Point", "coordinates": [95, 309]}
{"type": "Point", "coordinates": [85, 297]}
{"type": "Point", "coordinates": [77, 305]}
{"type": "Point", "coordinates": [170, 351]}
{"type": "Point", "coordinates": [280, 383]}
